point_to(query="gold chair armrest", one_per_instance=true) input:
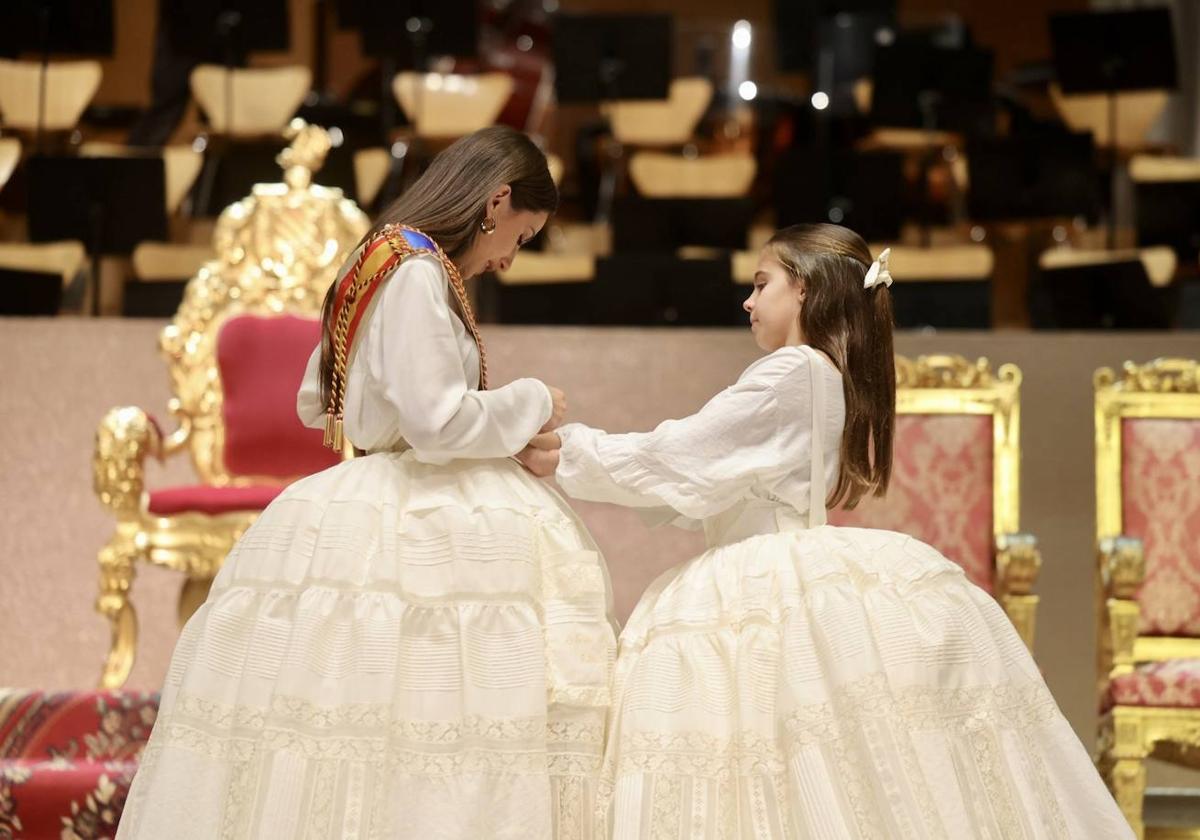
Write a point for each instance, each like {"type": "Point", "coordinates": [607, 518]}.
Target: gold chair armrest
{"type": "Point", "coordinates": [1122, 569]}
{"type": "Point", "coordinates": [179, 438]}
{"type": "Point", "coordinates": [123, 440]}
{"type": "Point", "coordinates": [1018, 562]}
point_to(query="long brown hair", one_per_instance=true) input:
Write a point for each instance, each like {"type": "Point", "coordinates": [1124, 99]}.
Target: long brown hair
{"type": "Point", "coordinates": [448, 203]}
{"type": "Point", "coordinates": [853, 327]}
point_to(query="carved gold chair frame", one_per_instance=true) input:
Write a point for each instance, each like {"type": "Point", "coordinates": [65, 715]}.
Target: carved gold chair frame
{"type": "Point", "coordinates": [950, 384]}
{"type": "Point", "coordinates": [1166, 389]}
{"type": "Point", "coordinates": [279, 249]}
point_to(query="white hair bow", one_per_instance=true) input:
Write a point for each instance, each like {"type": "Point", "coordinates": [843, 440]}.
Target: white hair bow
{"type": "Point", "coordinates": [878, 272]}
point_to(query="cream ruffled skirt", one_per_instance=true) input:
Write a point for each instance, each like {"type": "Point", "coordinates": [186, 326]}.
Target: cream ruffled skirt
{"type": "Point", "coordinates": [837, 684]}
{"type": "Point", "coordinates": [393, 650]}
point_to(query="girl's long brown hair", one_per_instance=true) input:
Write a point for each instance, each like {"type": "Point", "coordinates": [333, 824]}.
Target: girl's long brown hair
{"type": "Point", "coordinates": [449, 201]}
{"type": "Point", "coordinates": [853, 326]}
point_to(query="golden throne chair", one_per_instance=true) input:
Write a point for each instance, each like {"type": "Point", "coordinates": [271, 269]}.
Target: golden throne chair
{"type": "Point", "coordinates": [235, 352]}
{"type": "Point", "coordinates": [956, 476]}
{"type": "Point", "coordinates": [1148, 581]}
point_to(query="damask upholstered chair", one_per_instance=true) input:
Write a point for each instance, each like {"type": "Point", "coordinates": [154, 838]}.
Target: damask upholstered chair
{"type": "Point", "coordinates": [235, 352]}
{"type": "Point", "coordinates": [1148, 581]}
{"type": "Point", "coordinates": [956, 476]}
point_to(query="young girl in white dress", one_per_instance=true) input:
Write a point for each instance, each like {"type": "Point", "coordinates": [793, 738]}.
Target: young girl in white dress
{"type": "Point", "coordinates": [799, 680]}
{"type": "Point", "coordinates": [416, 642]}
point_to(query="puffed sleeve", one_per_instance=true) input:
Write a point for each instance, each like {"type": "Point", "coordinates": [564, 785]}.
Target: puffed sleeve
{"type": "Point", "coordinates": [699, 465]}
{"type": "Point", "coordinates": [407, 378]}
{"type": "Point", "coordinates": [309, 407]}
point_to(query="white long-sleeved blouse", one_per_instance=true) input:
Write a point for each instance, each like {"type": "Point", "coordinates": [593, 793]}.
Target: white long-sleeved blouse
{"type": "Point", "coordinates": [752, 441]}
{"type": "Point", "coordinates": [414, 375]}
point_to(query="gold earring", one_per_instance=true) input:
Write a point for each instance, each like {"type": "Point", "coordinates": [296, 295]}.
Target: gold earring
{"type": "Point", "coordinates": [488, 226]}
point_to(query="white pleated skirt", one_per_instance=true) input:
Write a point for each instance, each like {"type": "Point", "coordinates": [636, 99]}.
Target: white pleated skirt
{"type": "Point", "coordinates": [393, 650]}
{"type": "Point", "coordinates": [837, 684]}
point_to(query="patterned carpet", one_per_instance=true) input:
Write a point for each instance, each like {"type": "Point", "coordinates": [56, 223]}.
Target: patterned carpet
{"type": "Point", "coordinates": [67, 759]}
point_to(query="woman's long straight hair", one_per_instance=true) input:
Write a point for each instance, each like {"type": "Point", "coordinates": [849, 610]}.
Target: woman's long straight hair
{"type": "Point", "coordinates": [448, 202]}
{"type": "Point", "coordinates": [853, 327]}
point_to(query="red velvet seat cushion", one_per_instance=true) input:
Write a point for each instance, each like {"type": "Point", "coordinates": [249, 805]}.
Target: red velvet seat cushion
{"type": "Point", "coordinates": [262, 361]}
{"type": "Point", "coordinates": [200, 498]}
{"type": "Point", "coordinates": [1174, 683]}
{"type": "Point", "coordinates": [941, 490]}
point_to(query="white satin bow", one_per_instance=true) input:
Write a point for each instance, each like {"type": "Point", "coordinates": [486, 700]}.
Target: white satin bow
{"type": "Point", "coordinates": [878, 272]}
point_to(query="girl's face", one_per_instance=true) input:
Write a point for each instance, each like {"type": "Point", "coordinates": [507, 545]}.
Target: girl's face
{"type": "Point", "coordinates": [774, 305]}
{"type": "Point", "coordinates": [496, 251]}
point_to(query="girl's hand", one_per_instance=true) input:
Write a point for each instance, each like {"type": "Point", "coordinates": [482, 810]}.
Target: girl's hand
{"type": "Point", "coordinates": [540, 462]}
{"type": "Point", "coordinates": [559, 410]}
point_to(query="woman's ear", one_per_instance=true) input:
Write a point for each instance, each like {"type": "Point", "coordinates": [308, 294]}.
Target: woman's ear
{"type": "Point", "coordinates": [499, 195]}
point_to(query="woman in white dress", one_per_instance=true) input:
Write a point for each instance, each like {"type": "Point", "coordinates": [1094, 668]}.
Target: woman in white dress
{"type": "Point", "coordinates": [799, 680]}
{"type": "Point", "coordinates": [415, 643]}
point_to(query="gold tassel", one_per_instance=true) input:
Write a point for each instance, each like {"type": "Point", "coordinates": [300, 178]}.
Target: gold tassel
{"type": "Point", "coordinates": [338, 439]}
{"type": "Point", "coordinates": [329, 425]}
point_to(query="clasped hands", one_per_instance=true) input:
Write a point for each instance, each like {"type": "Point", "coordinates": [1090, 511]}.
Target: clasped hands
{"type": "Point", "coordinates": [540, 455]}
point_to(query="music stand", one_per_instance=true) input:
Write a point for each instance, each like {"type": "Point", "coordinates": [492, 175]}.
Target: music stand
{"type": "Point", "coordinates": [604, 58]}
{"type": "Point", "coordinates": [1168, 213]}
{"type": "Point", "coordinates": [406, 33]}
{"type": "Point", "coordinates": [798, 27]}
{"type": "Point", "coordinates": [1115, 295]}
{"type": "Point", "coordinates": [607, 58]}
{"type": "Point", "coordinates": [661, 225]}
{"type": "Point", "coordinates": [26, 292]}
{"type": "Point", "coordinates": [701, 293]}
{"type": "Point", "coordinates": [861, 190]}
{"type": "Point", "coordinates": [231, 176]}
{"type": "Point", "coordinates": [1107, 52]}
{"type": "Point", "coordinates": [554, 304]}
{"type": "Point", "coordinates": [71, 27]}
{"type": "Point", "coordinates": [846, 44]}
{"type": "Point", "coordinates": [919, 84]}
{"type": "Point", "coordinates": [626, 291]}
{"type": "Point", "coordinates": [230, 28]}
{"type": "Point", "coordinates": [944, 304]}
{"type": "Point", "coordinates": [1044, 175]}
{"type": "Point", "coordinates": [110, 204]}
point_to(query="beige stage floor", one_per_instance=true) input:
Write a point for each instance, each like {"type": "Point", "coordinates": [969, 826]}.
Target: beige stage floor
{"type": "Point", "coordinates": [59, 377]}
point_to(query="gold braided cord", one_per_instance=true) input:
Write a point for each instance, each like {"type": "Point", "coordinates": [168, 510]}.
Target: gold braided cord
{"type": "Point", "coordinates": [456, 285]}
{"type": "Point", "coordinates": [345, 314]}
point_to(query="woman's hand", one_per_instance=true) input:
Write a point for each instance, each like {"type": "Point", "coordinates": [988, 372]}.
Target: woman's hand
{"type": "Point", "coordinates": [558, 411]}
{"type": "Point", "coordinates": [540, 457]}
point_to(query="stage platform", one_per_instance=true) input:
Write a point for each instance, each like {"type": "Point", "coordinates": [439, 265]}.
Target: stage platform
{"type": "Point", "coordinates": [60, 376]}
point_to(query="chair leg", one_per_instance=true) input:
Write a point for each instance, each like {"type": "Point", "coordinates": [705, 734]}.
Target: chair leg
{"type": "Point", "coordinates": [191, 595]}
{"type": "Point", "coordinates": [116, 576]}
{"type": "Point", "coordinates": [1124, 766]}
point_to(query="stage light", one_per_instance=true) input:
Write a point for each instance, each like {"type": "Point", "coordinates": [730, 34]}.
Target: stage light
{"type": "Point", "coordinates": [742, 35]}
{"type": "Point", "coordinates": [747, 90]}
{"type": "Point", "coordinates": [820, 100]}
